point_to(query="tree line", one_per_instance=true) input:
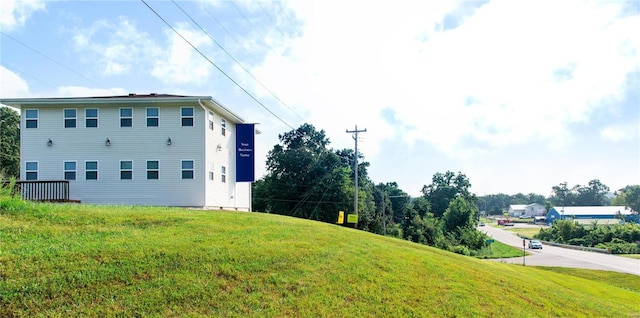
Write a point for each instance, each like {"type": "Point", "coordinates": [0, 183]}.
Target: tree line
{"type": "Point", "coordinates": [306, 178]}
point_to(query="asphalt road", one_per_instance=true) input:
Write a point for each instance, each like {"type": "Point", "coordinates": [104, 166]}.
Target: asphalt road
{"type": "Point", "coordinates": [562, 257]}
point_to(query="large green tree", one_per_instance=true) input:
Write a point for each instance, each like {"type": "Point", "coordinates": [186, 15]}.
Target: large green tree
{"type": "Point", "coordinates": [304, 178]}
{"type": "Point", "coordinates": [628, 196]}
{"type": "Point", "coordinates": [444, 188]}
{"type": "Point", "coordinates": [9, 143]}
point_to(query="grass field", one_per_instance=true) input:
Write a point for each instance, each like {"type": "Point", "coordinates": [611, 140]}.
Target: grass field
{"type": "Point", "coordinates": [83, 260]}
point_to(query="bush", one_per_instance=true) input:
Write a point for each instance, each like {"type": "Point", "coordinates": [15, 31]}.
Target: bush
{"type": "Point", "coordinates": [618, 246]}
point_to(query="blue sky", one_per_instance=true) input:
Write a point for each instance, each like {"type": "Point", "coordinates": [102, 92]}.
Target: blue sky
{"type": "Point", "coordinates": [518, 95]}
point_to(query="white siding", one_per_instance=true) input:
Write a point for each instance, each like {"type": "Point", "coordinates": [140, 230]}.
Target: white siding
{"type": "Point", "coordinates": [138, 143]}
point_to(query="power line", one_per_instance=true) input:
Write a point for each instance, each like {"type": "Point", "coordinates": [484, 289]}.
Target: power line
{"type": "Point", "coordinates": [52, 60]}
{"type": "Point", "coordinates": [216, 66]}
{"type": "Point", "coordinates": [235, 60]}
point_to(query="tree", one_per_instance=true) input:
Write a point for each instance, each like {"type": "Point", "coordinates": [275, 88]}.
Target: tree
{"type": "Point", "coordinates": [9, 143]}
{"type": "Point", "coordinates": [593, 194]}
{"type": "Point", "coordinates": [460, 214]}
{"type": "Point", "coordinates": [562, 195]}
{"type": "Point", "coordinates": [444, 188]}
{"type": "Point", "coordinates": [628, 196]}
{"type": "Point", "coordinates": [304, 178]}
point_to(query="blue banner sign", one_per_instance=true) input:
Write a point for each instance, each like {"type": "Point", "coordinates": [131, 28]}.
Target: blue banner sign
{"type": "Point", "coordinates": [245, 154]}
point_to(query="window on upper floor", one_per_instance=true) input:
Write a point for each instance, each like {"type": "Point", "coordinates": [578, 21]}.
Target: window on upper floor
{"type": "Point", "coordinates": [223, 126]}
{"type": "Point", "coordinates": [69, 170]}
{"type": "Point", "coordinates": [91, 117]}
{"type": "Point", "coordinates": [187, 116]}
{"type": "Point", "coordinates": [153, 169]}
{"type": "Point", "coordinates": [91, 170]}
{"type": "Point", "coordinates": [31, 116]}
{"type": "Point", "coordinates": [70, 116]}
{"type": "Point", "coordinates": [126, 169]}
{"type": "Point", "coordinates": [211, 120]}
{"type": "Point", "coordinates": [187, 169]}
{"type": "Point", "coordinates": [152, 116]}
{"type": "Point", "coordinates": [31, 170]}
{"type": "Point", "coordinates": [126, 117]}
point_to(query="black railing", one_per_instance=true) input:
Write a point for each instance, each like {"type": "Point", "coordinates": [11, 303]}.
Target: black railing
{"type": "Point", "coordinates": [51, 191]}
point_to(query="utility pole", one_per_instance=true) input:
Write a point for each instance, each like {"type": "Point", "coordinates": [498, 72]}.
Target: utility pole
{"type": "Point", "coordinates": [355, 137]}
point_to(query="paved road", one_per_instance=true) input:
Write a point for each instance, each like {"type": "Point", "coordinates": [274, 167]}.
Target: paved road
{"type": "Point", "coordinates": [563, 257]}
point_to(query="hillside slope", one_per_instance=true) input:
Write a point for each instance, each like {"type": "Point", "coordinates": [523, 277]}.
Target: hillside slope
{"type": "Point", "coordinates": [74, 260]}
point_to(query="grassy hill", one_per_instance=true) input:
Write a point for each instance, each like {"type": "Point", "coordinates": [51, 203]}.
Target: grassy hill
{"type": "Point", "coordinates": [79, 260]}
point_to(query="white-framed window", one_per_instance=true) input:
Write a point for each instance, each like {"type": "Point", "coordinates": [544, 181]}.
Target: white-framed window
{"type": "Point", "coordinates": [91, 118]}
{"type": "Point", "coordinates": [223, 174]}
{"type": "Point", "coordinates": [187, 169]}
{"type": "Point", "coordinates": [31, 116]}
{"type": "Point", "coordinates": [153, 169]}
{"type": "Point", "coordinates": [210, 171]}
{"type": "Point", "coordinates": [69, 170]}
{"type": "Point", "coordinates": [91, 170]}
{"type": "Point", "coordinates": [211, 120]}
{"type": "Point", "coordinates": [70, 115]}
{"type": "Point", "coordinates": [223, 126]}
{"type": "Point", "coordinates": [126, 169]}
{"type": "Point", "coordinates": [126, 117]}
{"type": "Point", "coordinates": [31, 170]}
{"type": "Point", "coordinates": [186, 114]}
{"type": "Point", "coordinates": [152, 116]}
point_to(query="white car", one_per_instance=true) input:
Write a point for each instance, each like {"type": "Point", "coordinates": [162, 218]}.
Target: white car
{"type": "Point", "coordinates": [535, 244]}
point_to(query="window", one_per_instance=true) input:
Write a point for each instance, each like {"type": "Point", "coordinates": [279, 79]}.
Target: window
{"type": "Point", "coordinates": [69, 170]}
{"type": "Point", "coordinates": [187, 169]}
{"type": "Point", "coordinates": [31, 168]}
{"type": "Point", "coordinates": [223, 126]}
{"type": "Point", "coordinates": [211, 120]}
{"type": "Point", "coordinates": [152, 170]}
{"type": "Point", "coordinates": [223, 174]}
{"type": "Point", "coordinates": [152, 117]}
{"type": "Point", "coordinates": [32, 118]}
{"type": "Point", "coordinates": [187, 116]}
{"type": "Point", "coordinates": [210, 171]}
{"type": "Point", "coordinates": [91, 117]}
{"type": "Point", "coordinates": [91, 170]}
{"type": "Point", "coordinates": [126, 117]}
{"type": "Point", "coordinates": [69, 118]}
{"type": "Point", "coordinates": [126, 170]}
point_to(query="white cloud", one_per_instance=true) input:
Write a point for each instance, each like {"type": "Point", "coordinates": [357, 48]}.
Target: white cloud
{"type": "Point", "coordinates": [180, 64]}
{"type": "Point", "coordinates": [12, 85]}
{"type": "Point", "coordinates": [512, 73]}
{"type": "Point", "coordinates": [79, 91]}
{"type": "Point", "coordinates": [14, 14]}
{"type": "Point", "coordinates": [618, 133]}
{"type": "Point", "coordinates": [115, 48]}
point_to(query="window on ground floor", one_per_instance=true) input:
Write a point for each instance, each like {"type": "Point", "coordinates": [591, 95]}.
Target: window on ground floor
{"type": "Point", "coordinates": [31, 170]}
{"type": "Point", "coordinates": [153, 169]}
{"type": "Point", "coordinates": [69, 170]}
{"type": "Point", "coordinates": [187, 169]}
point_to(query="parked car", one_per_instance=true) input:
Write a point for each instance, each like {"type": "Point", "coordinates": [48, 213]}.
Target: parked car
{"type": "Point", "coordinates": [481, 224]}
{"type": "Point", "coordinates": [535, 244]}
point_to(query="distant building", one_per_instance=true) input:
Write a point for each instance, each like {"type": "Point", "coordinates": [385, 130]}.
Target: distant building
{"type": "Point", "coordinates": [588, 214]}
{"type": "Point", "coordinates": [526, 210]}
{"type": "Point", "coordinates": [517, 209]}
{"type": "Point", "coordinates": [156, 149]}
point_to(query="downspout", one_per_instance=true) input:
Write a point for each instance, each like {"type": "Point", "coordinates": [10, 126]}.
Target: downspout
{"type": "Point", "coordinates": [204, 163]}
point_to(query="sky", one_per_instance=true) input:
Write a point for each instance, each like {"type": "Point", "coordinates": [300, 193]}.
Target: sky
{"type": "Point", "coordinates": [519, 96]}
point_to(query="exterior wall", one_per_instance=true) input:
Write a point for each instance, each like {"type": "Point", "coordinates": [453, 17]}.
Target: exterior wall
{"type": "Point", "coordinates": [137, 143]}
{"type": "Point", "coordinates": [534, 209]}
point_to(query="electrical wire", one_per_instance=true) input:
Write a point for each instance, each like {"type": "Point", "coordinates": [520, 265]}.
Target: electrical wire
{"type": "Point", "coordinates": [52, 60]}
{"type": "Point", "coordinates": [216, 66]}
{"type": "Point", "coordinates": [235, 60]}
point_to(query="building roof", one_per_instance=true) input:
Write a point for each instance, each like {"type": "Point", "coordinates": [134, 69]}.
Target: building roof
{"type": "Point", "coordinates": [593, 210]}
{"type": "Point", "coordinates": [517, 206]}
{"type": "Point", "coordinates": [131, 99]}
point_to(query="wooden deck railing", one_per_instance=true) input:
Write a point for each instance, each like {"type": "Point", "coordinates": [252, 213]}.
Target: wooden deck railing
{"type": "Point", "coordinates": [50, 191]}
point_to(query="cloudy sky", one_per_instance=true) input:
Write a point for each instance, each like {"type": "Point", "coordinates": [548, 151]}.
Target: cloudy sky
{"type": "Point", "coordinates": [518, 95]}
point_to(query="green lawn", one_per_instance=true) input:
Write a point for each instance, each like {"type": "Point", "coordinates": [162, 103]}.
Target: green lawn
{"type": "Point", "coordinates": [83, 260]}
